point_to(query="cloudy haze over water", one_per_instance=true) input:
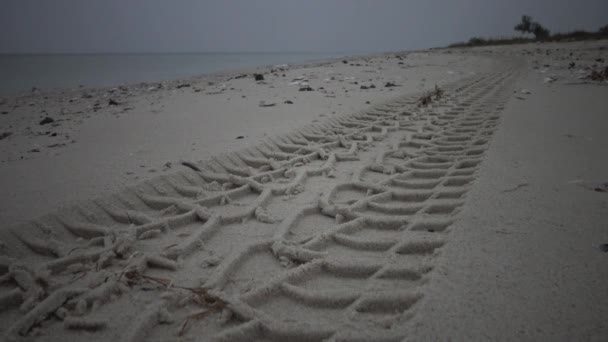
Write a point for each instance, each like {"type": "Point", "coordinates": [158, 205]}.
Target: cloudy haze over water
{"type": "Point", "coordinates": [145, 26]}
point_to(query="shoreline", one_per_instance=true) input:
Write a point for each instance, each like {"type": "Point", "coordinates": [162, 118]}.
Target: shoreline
{"type": "Point", "coordinates": [220, 74]}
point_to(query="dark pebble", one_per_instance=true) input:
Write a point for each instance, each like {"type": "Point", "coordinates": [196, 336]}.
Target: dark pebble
{"type": "Point", "coordinates": [46, 120]}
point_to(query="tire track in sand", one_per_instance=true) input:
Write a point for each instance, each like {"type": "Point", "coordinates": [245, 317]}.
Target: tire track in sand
{"type": "Point", "coordinates": [326, 233]}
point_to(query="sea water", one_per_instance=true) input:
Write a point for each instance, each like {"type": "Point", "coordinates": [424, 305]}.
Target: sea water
{"type": "Point", "coordinates": [50, 72]}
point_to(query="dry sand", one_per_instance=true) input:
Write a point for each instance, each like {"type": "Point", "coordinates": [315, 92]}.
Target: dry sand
{"type": "Point", "coordinates": [471, 218]}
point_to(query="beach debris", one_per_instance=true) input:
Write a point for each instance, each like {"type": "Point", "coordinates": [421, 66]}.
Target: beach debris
{"type": "Point", "coordinates": [239, 137]}
{"type": "Point", "coordinates": [266, 104]}
{"type": "Point", "coordinates": [183, 85]}
{"type": "Point", "coordinates": [390, 84]}
{"type": "Point", "coordinates": [5, 135]}
{"type": "Point", "coordinates": [190, 165]}
{"type": "Point", "coordinates": [345, 61]}
{"type": "Point", "coordinates": [112, 102]}
{"type": "Point", "coordinates": [363, 87]}
{"type": "Point", "coordinates": [240, 76]}
{"type": "Point", "coordinates": [427, 98]}
{"type": "Point", "coordinates": [34, 150]}
{"type": "Point", "coordinates": [258, 77]}
{"type": "Point", "coordinates": [46, 120]}
{"type": "Point", "coordinates": [288, 102]}
{"type": "Point", "coordinates": [372, 86]}
{"type": "Point", "coordinates": [571, 65]}
{"type": "Point", "coordinates": [305, 88]}
{"type": "Point", "coordinates": [279, 67]}
{"type": "Point", "coordinates": [55, 145]}
{"type": "Point", "coordinates": [600, 76]}
{"type": "Point", "coordinates": [595, 186]}
{"type": "Point", "coordinates": [601, 187]}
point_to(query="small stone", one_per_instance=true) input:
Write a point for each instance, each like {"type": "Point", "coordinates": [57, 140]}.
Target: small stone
{"type": "Point", "coordinates": [46, 120]}
{"type": "Point", "coordinates": [240, 137]}
{"type": "Point", "coordinates": [266, 104]}
{"type": "Point", "coordinates": [288, 102]}
{"type": "Point", "coordinates": [258, 77]}
{"type": "Point", "coordinates": [112, 102]}
{"type": "Point", "coordinates": [5, 135]}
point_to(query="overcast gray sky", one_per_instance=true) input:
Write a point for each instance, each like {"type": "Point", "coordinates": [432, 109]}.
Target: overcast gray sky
{"type": "Point", "coordinates": [91, 26]}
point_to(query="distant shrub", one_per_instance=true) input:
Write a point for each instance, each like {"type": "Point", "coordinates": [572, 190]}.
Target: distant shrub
{"type": "Point", "coordinates": [528, 26]}
{"type": "Point", "coordinates": [479, 41]}
{"type": "Point", "coordinates": [541, 33]}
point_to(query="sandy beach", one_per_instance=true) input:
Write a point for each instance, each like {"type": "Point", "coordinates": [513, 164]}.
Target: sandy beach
{"type": "Point", "coordinates": [444, 194]}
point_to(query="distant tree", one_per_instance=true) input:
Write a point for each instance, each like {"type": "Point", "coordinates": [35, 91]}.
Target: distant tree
{"type": "Point", "coordinates": [525, 26]}
{"type": "Point", "coordinates": [540, 32]}
{"type": "Point", "coordinates": [529, 26]}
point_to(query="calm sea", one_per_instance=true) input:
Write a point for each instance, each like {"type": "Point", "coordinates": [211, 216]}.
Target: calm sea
{"type": "Point", "coordinates": [46, 72]}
